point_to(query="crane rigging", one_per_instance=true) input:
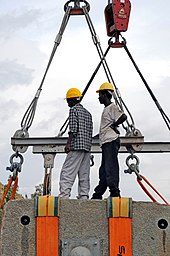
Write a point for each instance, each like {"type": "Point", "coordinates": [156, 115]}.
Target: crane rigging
{"type": "Point", "coordinates": [74, 7]}
{"type": "Point", "coordinates": [117, 13]}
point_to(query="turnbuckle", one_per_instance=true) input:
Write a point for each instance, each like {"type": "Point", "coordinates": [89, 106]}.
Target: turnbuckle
{"type": "Point", "coordinates": [15, 166]}
{"type": "Point", "coordinates": [133, 167]}
{"type": "Point", "coordinates": [77, 9]}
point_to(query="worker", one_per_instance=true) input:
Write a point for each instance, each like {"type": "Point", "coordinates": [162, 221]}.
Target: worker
{"type": "Point", "coordinates": [78, 148]}
{"type": "Point", "coordinates": [109, 141]}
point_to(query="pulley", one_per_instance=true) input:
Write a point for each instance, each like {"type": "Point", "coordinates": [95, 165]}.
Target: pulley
{"type": "Point", "coordinates": [117, 16]}
{"type": "Point", "coordinates": [20, 134]}
{"type": "Point", "coordinates": [134, 147]}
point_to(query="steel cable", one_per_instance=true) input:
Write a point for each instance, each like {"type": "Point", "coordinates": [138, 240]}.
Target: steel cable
{"type": "Point", "coordinates": [30, 112]}
{"type": "Point", "coordinates": [164, 116]}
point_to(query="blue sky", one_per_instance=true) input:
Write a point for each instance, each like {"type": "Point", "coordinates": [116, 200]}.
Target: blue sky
{"type": "Point", "coordinates": [27, 33]}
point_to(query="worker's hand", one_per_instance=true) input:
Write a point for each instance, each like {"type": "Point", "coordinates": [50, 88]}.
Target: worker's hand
{"type": "Point", "coordinates": [67, 147]}
{"type": "Point", "coordinates": [96, 136]}
{"type": "Point", "coordinates": [114, 127]}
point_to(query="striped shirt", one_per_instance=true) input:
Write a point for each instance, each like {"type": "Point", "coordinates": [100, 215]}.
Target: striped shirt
{"type": "Point", "coordinates": [81, 125]}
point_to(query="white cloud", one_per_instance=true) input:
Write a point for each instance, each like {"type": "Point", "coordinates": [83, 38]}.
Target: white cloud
{"type": "Point", "coordinates": [15, 21]}
{"type": "Point", "coordinates": [12, 74]}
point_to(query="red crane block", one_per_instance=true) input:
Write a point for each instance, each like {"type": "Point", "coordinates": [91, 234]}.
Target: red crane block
{"type": "Point", "coordinates": [117, 16]}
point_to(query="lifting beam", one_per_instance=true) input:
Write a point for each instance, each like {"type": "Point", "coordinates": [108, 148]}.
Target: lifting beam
{"type": "Point", "coordinates": [50, 146]}
{"type": "Point", "coordinates": [56, 145]}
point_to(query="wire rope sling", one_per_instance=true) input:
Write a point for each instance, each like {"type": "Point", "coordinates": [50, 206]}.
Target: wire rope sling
{"type": "Point", "coordinates": [117, 14]}
{"type": "Point", "coordinates": [72, 7]}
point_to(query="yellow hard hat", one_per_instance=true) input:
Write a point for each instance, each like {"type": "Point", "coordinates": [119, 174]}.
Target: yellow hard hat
{"type": "Point", "coordinates": [106, 86]}
{"type": "Point", "coordinates": [73, 93]}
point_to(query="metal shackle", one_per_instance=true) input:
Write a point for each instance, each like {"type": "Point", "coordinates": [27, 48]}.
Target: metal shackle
{"type": "Point", "coordinates": [132, 157]}
{"type": "Point", "coordinates": [16, 155]}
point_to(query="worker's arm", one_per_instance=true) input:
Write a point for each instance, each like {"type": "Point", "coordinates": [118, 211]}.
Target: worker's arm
{"type": "Point", "coordinates": [96, 136]}
{"type": "Point", "coordinates": [68, 145]}
{"type": "Point", "coordinates": [120, 120]}
{"type": "Point", "coordinates": [73, 128]}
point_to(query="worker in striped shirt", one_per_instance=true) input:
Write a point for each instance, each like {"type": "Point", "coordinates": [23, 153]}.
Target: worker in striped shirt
{"type": "Point", "coordinates": [78, 148]}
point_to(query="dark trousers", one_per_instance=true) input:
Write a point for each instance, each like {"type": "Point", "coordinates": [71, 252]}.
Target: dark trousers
{"type": "Point", "coordinates": [109, 170]}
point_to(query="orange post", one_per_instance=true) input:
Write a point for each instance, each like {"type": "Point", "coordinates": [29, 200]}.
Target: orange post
{"type": "Point", "coordinates": [120, 232]}
{"type": "Point", "coordinates": [120, 226]}
{"type": "Point", "coordinates": [47, 237]}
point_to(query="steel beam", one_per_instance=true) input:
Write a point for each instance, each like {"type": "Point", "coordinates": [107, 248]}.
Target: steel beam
{"type": "Point", "coordinates": [56, 145]}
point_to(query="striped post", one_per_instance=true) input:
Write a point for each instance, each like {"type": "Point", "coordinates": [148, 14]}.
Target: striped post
{"type": "Point", "coordinates": [47, 214]}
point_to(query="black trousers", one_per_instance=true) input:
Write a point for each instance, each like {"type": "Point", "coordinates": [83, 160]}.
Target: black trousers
{"type": "Point", "coordinates": [109, 170]}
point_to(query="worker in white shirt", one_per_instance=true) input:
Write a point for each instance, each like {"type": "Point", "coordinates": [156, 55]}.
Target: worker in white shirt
{"type": "Point", "coordinates": [109, 141]}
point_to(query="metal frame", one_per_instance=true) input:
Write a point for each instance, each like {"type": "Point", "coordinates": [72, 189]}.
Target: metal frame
{"type": "Point", "coordinates": [50, 146]}
{"type": "Point", "coordinates": [56, 145]}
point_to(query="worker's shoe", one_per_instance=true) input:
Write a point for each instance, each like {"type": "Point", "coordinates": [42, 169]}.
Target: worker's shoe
{"type": "Point", "coordinates": [115, 194]}
{"type": "Point", "coordinates": [83, 197]}
{"type": "Point", "coordinates": [96, 196]}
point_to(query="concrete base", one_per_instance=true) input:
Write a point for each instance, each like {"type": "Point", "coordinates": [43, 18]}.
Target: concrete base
{"type": "Point", "coordinates": [84, 223]}
{"type": "Point", "coordinates": [18, 239]}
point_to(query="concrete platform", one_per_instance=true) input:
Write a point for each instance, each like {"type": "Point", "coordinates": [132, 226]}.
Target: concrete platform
{"type": "Point", "coordinates": [84, 223]}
